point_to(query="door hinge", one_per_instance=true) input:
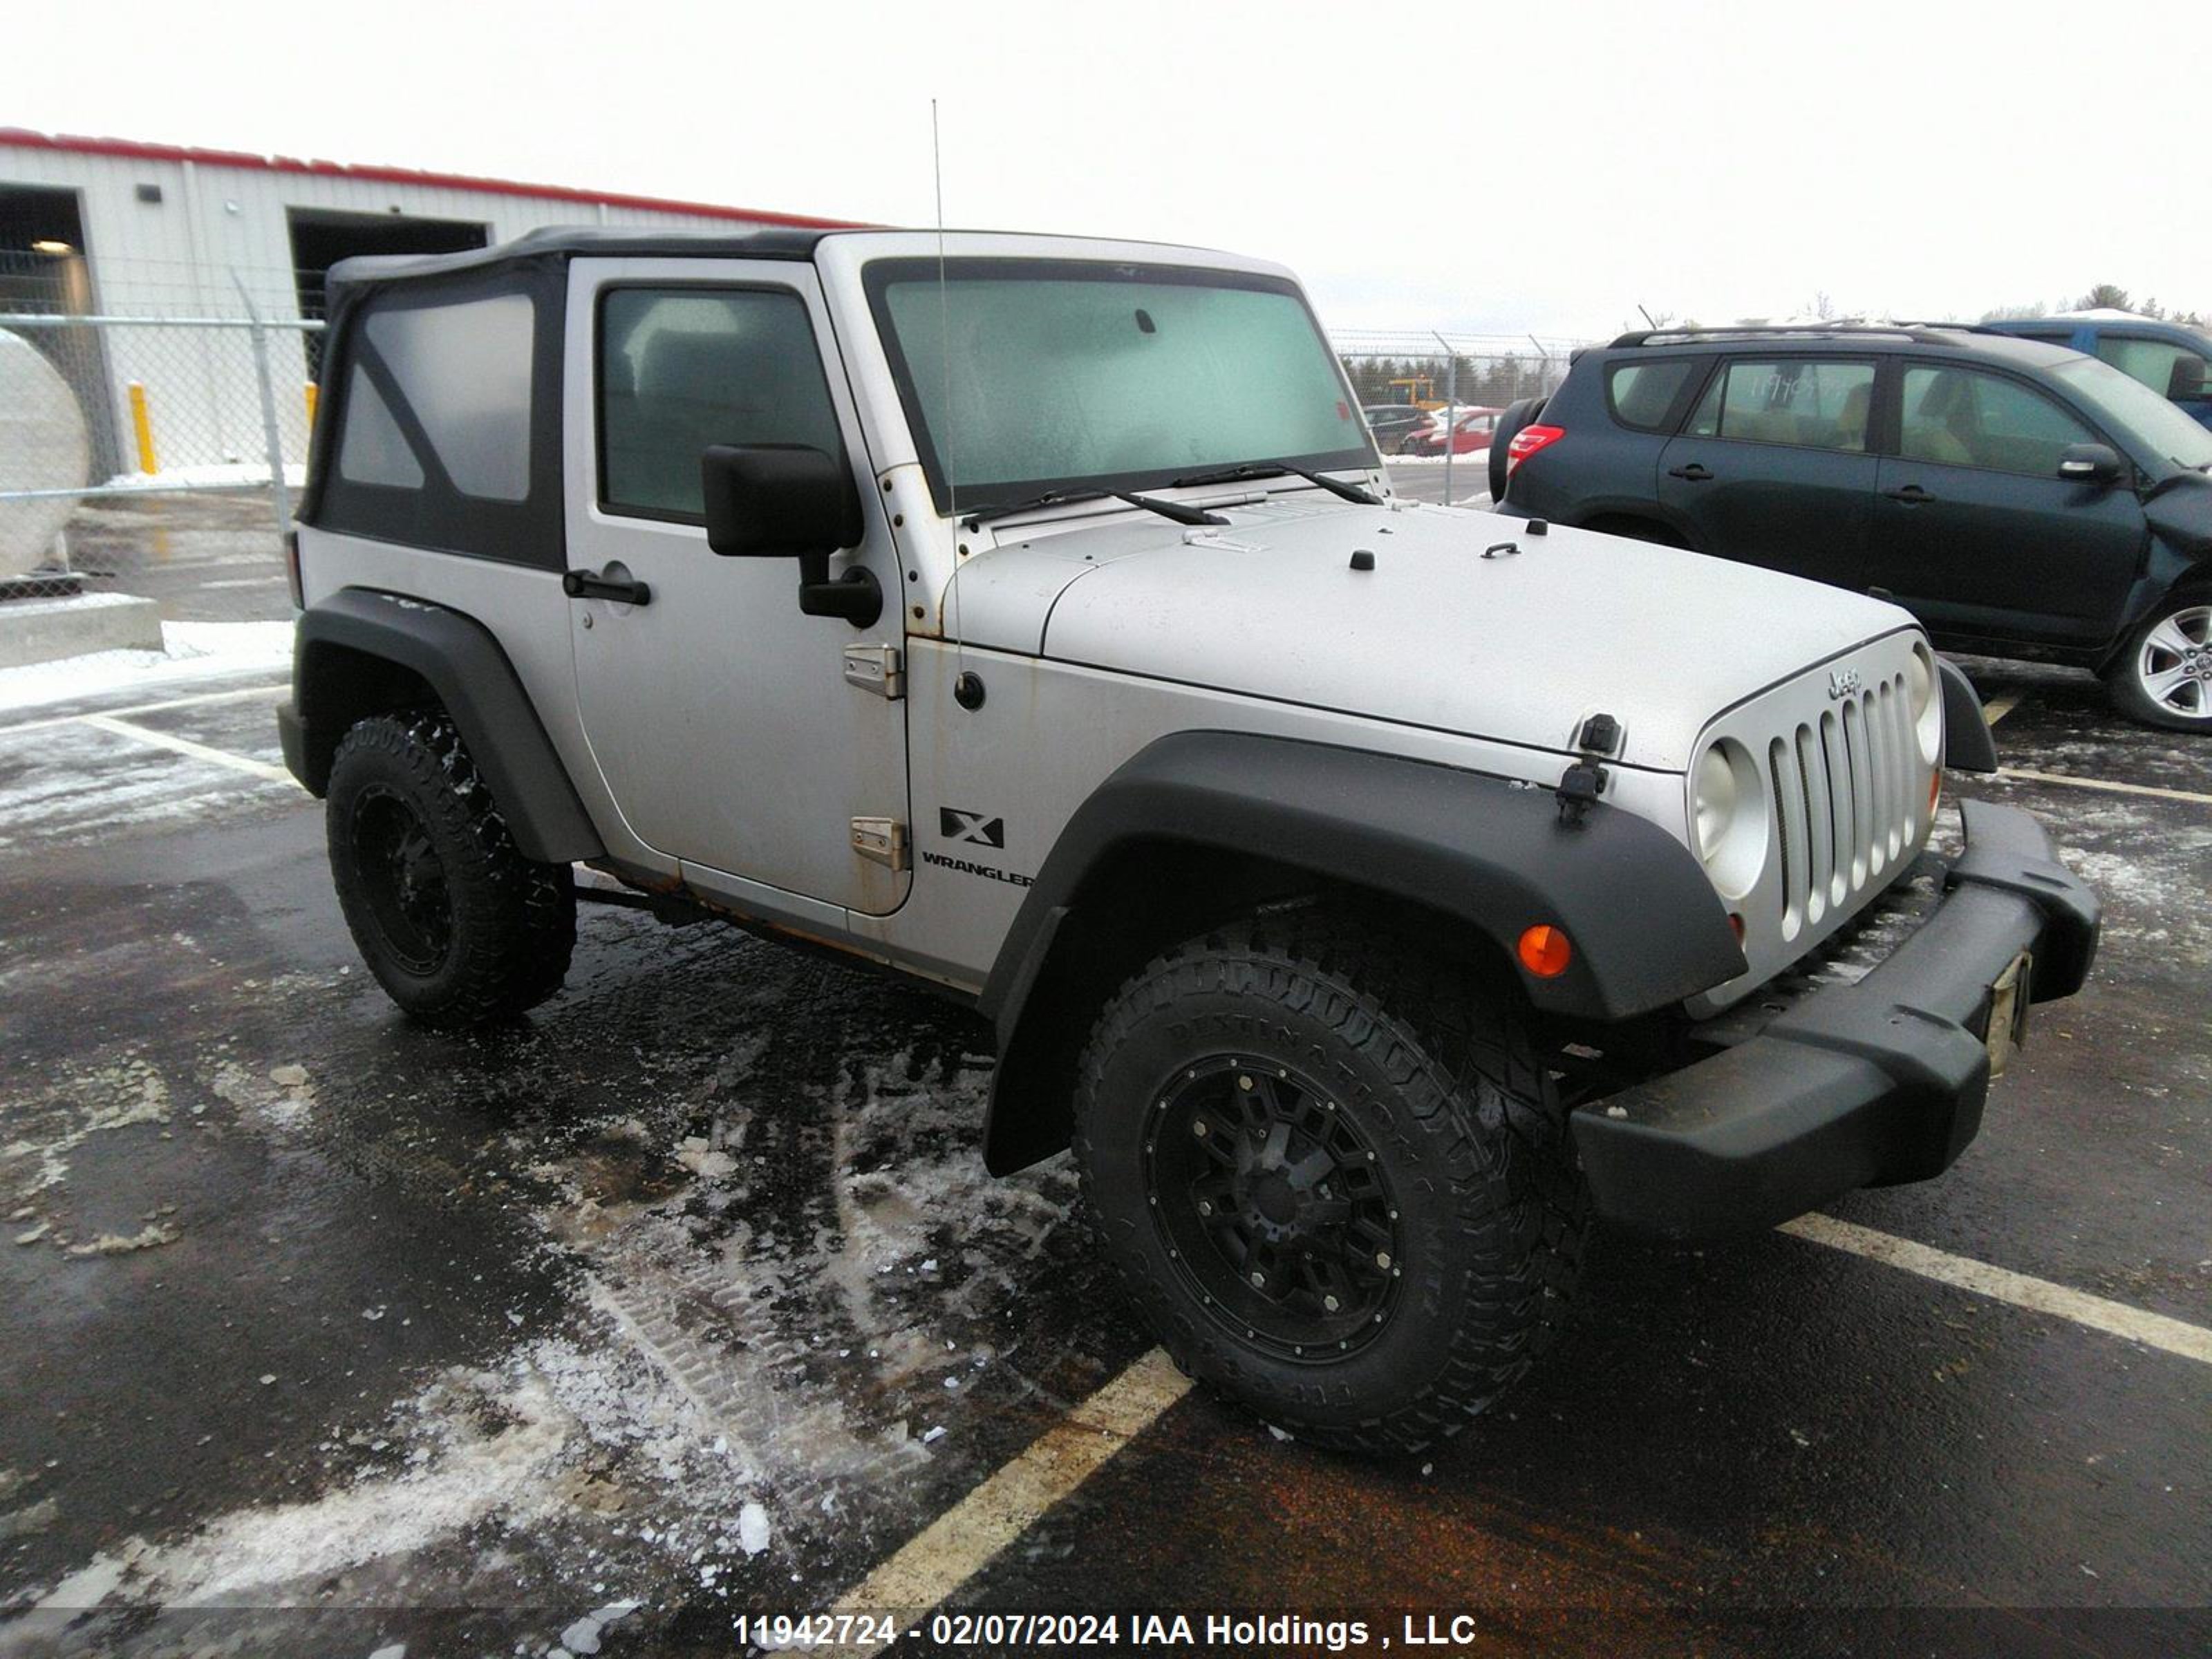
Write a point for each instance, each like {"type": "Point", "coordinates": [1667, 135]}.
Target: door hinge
{"type": "Point", "coordinates": [881, 840]}
{"type": "Point", "coordinates": [876, 668]}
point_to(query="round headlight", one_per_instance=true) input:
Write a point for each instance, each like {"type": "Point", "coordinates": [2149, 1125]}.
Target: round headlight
{"type": "Point", "coordinates": [1921, 685]}
{"type": "Point", "coordinates": [1716, 801]}
{"type": "Point", "coordinates": [1728, 810]}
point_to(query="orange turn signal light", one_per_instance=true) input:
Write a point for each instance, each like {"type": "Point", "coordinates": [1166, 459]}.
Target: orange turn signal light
{"type": "Point", "coordinates": [1544, 951]}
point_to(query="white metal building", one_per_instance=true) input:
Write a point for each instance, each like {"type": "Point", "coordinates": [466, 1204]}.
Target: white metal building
{"type": "Point", "coordinates": [104, 226]}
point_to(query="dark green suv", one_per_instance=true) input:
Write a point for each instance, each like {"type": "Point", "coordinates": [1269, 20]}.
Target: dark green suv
{"type": "Point", "coordinates": [2020, 499]}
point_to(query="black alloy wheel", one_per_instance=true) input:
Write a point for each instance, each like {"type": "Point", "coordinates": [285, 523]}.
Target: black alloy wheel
{"type": "Point", "coordinates": [1274, 1205]}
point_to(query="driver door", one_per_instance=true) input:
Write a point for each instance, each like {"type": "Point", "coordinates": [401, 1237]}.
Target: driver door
{"type": "Point", "coordinates": [720, 718]}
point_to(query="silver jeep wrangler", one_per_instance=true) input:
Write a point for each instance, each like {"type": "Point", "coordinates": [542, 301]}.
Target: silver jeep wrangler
{"type": "Point", "coordinates": [1371, 893]}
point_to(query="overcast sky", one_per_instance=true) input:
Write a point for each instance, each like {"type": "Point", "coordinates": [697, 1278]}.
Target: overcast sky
{"type": "Point", "coordinates": [1462, 164]}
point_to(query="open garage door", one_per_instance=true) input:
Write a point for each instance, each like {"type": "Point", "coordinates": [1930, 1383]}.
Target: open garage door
{"type": "Point", "coordinates": [43, 270]}
{"type": "Point", "coordinates": [323, 236]}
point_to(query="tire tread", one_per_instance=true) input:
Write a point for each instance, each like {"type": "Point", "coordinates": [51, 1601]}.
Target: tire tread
{"type": "Point", "coordinates": [1449, 1037]}
{"type": "Point", "coordinates": [517, 953]}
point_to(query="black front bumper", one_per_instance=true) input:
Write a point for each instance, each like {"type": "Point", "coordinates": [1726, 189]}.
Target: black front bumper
{"type": "Point", "coordinates": [1861, 1085]}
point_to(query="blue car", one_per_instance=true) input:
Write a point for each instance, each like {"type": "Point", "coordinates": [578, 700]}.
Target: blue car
{"type": "Point", "coordinates": [2171, 359]}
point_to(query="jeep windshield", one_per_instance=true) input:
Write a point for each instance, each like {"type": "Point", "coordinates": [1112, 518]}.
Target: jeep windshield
{"type": "Point", "coordinates": [2125, 402]}
{"type": "Point", "coordinates": [1028, 378]}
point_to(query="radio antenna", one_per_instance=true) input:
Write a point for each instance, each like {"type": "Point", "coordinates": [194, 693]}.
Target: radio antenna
{"type": "Point", "coordinates": [944, 341]}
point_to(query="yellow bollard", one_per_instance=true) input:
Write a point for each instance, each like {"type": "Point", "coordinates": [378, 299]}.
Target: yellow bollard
{"type": "Point", "coordinates": [311, 405]}
{"type": "Point", "coordinates": [144, 427]}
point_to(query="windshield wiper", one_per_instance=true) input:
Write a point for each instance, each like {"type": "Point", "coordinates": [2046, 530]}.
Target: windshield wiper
{"type": "Point", "coordinates": [1175, 510]}
{"type": "Point", "coordinates": [1281, 470]}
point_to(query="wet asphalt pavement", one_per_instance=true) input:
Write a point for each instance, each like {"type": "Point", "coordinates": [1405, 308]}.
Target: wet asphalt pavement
{"type": "Point", "coordinates": [688, 1290]}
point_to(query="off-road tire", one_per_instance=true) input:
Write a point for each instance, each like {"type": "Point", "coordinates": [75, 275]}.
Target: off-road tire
{"type": "Point", "coordinates": [2124, 679]}
{"type": "Point", "coordinates": [1431, 1062]}
{"type": "Point", "coordinates": [512, 920]}
{"type": "Point", "coordinates": [1521, 412]}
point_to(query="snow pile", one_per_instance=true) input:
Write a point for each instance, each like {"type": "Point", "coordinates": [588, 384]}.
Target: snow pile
{"type": "Point", "coordinates": [190, 651]}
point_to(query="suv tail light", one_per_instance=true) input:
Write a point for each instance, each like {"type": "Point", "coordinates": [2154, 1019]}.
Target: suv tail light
{"type": "Point", "coordinates": [292, 570]}
{"type": "Point", "coordinates": [1526, 441]}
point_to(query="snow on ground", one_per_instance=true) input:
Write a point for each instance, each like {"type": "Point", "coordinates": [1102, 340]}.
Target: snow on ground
{"type": "Point", "coordinates": [191, 651]}
{"type": "Point", "coordinates": [73, 784]}
{"type": "Point", "coordinates": [491, 1451]}
{"type": "Point", "coordinates": [218, 476]}
{"type": "Point", "coordinates": [754, 1375]}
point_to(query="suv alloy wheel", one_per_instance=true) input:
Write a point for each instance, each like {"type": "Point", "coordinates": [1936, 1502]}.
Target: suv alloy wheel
{"type": "Point", "coordinates": [2163, 675]}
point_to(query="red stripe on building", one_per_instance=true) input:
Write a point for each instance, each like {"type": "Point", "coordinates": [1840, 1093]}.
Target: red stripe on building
{"type": "Point", "coordinates": [131, 149]}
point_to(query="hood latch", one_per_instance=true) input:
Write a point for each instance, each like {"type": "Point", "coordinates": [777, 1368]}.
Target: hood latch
{"type": "Point", "coordinates": [1582, 784]}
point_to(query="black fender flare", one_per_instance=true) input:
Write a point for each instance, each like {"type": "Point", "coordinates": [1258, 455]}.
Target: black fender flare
{"type": "Point", "coordinates": [1968, 744]}
{"type": "Point", "coordinates": [1647, 929]}
{"type": "Point", "coordinates": [340, 651]}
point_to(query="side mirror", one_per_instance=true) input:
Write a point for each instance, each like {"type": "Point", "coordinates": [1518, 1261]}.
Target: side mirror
{"type": "Point", "coordinates": [788, 501]}
{"type": "Point", "coordinates": [2186, 385]}
{"type": "Point", "coordinates": [2089, 464]}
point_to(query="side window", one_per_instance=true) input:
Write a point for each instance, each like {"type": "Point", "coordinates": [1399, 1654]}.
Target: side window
{"type": "Point", "coordinates": [1960, 417]}
{"type": "Point", "coordinates": [1641, 393]}
{"type": "Point", "coordinates": [1814, 403]}
{"type": "Point", "coordinates": [446, 415]}
{"type": "Point", "coordinates": [372, 450]}
{"type": "Point", "coordinates": [2154, 362]}
{"type": "Point", "coordinates": [680, 369]}
{"type": "Point", "coordinates": [465, 372]}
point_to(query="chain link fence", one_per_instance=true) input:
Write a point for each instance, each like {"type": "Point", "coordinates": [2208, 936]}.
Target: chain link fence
{"type": "Point", "coordinates": [1461, 382]}
{"type": "Point", "coordinates": [196, 392]}
{"type": "Point", "coordinates": [1432, 369]}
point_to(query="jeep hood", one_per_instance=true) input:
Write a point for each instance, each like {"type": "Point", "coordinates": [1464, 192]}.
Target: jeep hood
{"type": "Point", "coordinates": [1519, 647]}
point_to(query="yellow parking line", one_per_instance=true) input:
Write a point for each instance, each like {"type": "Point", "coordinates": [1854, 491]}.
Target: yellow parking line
{"type": "Point", "coordinates": [2072, 782]}
{"type": "Point", "coordinates": [956, 1546]}
{"type": "Point", "coordinates": [2036, 1295]}
{"type": "Point", "coordinates": [1994, 711]}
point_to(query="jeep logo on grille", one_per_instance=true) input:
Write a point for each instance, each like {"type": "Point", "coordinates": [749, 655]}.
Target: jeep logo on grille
{"type": "Point", "coordinates": [1842, 683]}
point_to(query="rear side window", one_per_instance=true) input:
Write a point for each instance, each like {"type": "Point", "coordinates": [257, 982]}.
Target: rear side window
{"type": "Point", "coordinates": [683, 369]}
{"type": "Point", "coordinates": [373, 450]}
{"type": "Point", "coordinates": [1642, 394]}
{"type": "Point", "coordinates": [447, 429]}
{"type": "Point", "coordinates": [1819, 403]}
{"type": "Point", "coordinates": [1960, 417]}
{"type": "Point", "coordinates": [465, 373]}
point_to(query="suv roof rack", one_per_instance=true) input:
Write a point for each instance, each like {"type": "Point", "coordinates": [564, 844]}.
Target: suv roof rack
{"type": "Point", "coordinates": [1909, 330]}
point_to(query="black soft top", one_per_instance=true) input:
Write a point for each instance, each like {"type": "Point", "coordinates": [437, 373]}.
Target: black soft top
{"type": "Point", "coordinates": [563, 242]}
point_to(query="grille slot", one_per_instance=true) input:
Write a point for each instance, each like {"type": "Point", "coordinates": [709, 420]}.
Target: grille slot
{"type": "Point", "coordinates": [1845, 801]}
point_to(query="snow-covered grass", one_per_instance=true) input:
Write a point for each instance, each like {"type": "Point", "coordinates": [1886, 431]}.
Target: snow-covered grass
{"type": "Point", "coordinates": [191, 651]}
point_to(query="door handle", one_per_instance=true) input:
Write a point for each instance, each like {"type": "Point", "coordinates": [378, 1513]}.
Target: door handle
{"type": "Point", "coordinates": [1694, 472]}
{"type": "Point", "coordinates": [1911, 495]}
{"type": "Point", "coordinates": [590, 584]}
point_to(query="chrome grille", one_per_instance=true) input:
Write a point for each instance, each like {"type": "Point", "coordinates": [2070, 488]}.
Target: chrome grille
{"type": "Point", "coordinates": [1846, 803]}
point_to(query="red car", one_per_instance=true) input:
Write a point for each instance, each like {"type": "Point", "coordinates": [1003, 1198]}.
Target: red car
{"type": "Point", "coordinates": [1470, 433]}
